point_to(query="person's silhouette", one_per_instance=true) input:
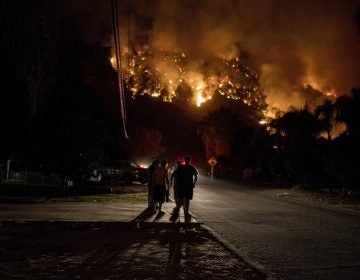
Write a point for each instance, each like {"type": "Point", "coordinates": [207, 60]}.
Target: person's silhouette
{"type": "Point", "coordinates": [161, 184]}
{"type": "Point", "coordinates": [174, 181]}
{"type": "Point", "coordinates": [151, 169]}
{"type": "Point", "coordinates": [187, 178]}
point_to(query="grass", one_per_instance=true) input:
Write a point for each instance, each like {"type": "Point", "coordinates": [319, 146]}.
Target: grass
{"type": "Point", "coordinates": [126, 193]}
{"type": "Point", "coordinates": [117, 197]}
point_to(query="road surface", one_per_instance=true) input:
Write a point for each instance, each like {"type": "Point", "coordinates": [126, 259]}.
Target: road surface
{"type": "Point", "coordinates": [288, 238]}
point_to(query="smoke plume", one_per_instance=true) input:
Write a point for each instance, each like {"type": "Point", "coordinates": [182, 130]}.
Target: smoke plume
{"type": "Point", "coordinates": [297, 47]}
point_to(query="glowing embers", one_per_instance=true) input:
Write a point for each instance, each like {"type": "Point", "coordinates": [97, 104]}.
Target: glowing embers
{"type": "Point", "coordinates": [331, 92]}
{"type": "Point", "coordinates": [263, 122]}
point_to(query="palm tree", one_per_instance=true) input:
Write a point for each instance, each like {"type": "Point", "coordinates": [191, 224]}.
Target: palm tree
{"type": "Point", "coordinates": [297, 126]}
{"type": "Point", "coordinates": [348, 111]}
{"type": "Point", "coordinates": [326, 113]}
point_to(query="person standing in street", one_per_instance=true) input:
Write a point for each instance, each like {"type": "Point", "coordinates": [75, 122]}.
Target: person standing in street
{"type": "Point", "coordinates": [174, 181]}
{"type": "Point", "coordinates": [187, 180]}
{"type": "Point", "coordinates": [151, 169]}
{"type": "Point", "coordinates": [161, 184]}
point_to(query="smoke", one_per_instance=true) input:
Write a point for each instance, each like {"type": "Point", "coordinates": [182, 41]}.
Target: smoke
{"type": "Point", "coordinates": [292, 44]}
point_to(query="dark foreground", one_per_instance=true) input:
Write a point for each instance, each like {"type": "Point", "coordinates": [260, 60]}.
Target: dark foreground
{"type": "Point", "coordinates": [96, 250]}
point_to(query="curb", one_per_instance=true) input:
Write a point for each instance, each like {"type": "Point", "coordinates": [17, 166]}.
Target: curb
{"type": "Point", "coordinates": [231, 248]}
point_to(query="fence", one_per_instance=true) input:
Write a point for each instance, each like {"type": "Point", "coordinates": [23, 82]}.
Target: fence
{"type": "Point", "coordinates": [32, 179]}
{"type": "Point", "coordinates": [38, 179]}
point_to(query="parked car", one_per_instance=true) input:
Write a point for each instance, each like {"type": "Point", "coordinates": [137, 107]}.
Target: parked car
{"type": "Point", "coordinates": [119, 171]}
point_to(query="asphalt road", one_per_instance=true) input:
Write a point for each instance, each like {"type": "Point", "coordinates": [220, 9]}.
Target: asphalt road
{"type": "Point", "coordinates": [289, 239]}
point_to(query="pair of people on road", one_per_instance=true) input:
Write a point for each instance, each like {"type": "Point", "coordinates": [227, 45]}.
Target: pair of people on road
{"type": "Point", "coordinates": [158, 185]}
{"type": "Point", "coordinates": [183, 180]}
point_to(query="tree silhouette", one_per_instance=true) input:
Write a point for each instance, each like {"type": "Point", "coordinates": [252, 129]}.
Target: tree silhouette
{"type": "Point", "coordinates": [356, 19]}
{"type": "Point", "coordinates": [217, 130]}
{"type": "Point", "coordinates": [28, 38]}
{"type": "Point", "coordinates": [326, 113]}
{"type": "Point", "coordinates": [64, 118]}
{"type": "Point", "coordinates": [145, 144]}
{"type": "Point", "coordinates": [297, 126]}
{"type": "Point", "coordinates": [297, 157]}
{"type": "Point", "coordinates": [235, 142]}
{"type": "Point", "coordinates": [348, 111]}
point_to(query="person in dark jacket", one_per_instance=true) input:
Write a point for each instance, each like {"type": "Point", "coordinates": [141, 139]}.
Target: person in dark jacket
{"type": "Point", "coordinates": [151, 204]}
{"type": "Point", "coordinates": [174, 181]}
{"type": "Point", "coordinates": [187, 180]}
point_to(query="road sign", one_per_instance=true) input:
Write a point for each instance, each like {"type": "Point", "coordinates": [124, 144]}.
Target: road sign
{"type": "Point", "coordinates": [212, 161]}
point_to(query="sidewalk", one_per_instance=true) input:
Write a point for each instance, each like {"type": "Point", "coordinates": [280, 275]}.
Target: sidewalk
{"type": "Point", "coordinates": [110, 240]}
{"type": "Point", "coordinates": [86, 211]}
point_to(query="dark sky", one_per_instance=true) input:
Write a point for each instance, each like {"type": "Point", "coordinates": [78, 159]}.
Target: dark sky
{"type": "Point", "coordinates": [290, 43]}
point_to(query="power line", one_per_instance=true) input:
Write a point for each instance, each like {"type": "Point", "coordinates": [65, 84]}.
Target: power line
{"type": "Point", "coordinates": [115, 22]}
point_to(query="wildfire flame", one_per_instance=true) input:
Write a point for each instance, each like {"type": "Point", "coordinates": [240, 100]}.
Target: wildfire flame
{"type": "Point", "coordinates": [199, 99]}
{"type": "Point", "coordinates": [311, 81]}
{"type": "Point", "coordinates": [162, 74]}
{"type": "Point", "coordinates": [199, 94]}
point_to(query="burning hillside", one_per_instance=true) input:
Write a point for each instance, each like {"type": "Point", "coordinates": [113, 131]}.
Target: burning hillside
{"type": "Point", "coordinates": [170, 77]}
{"type": "Point", "coordinates": [182, 50]}
{"type": "Point", "coordinates": [196, 48]}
